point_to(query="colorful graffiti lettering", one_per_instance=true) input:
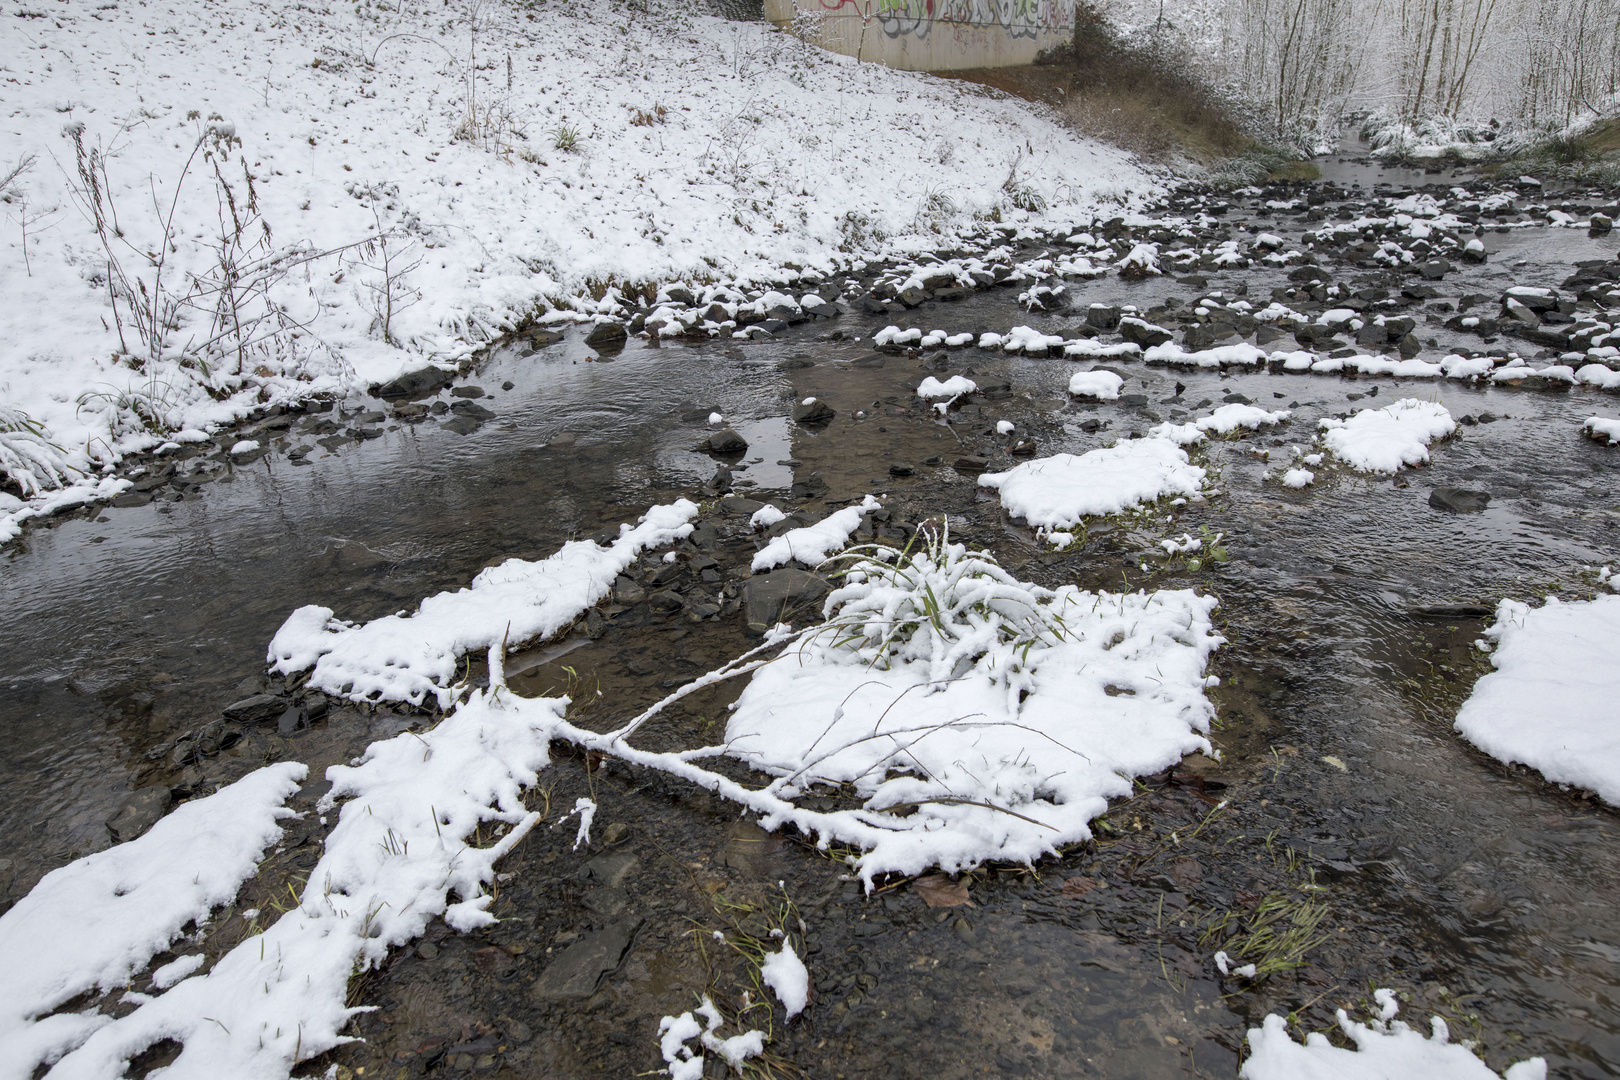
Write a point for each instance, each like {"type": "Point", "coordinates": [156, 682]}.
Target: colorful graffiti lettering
{"type": "Point", "coordinates": [916, 18]}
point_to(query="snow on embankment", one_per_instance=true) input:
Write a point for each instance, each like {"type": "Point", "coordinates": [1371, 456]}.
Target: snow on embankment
{"type": "Point", "coordinates": [601, 143]}
{"type": "Point", "coordinates": [1550, 703]}
{"type": "Point", "coordinates": [408, 657]}
{"type": "Point", "coordinates": [96, 923]}
{"type": "Point", "coordinates": [1386, 1049]}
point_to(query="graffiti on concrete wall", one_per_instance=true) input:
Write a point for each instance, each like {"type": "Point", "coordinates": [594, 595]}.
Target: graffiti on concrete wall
{"type": "Point", "coordinates": [916, 18]}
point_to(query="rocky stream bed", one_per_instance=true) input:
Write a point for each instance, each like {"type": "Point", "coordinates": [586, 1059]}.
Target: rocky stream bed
{"type": "Point", "coordinates": [1343, 816]}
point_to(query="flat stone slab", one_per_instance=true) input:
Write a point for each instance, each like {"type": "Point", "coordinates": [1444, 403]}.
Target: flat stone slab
{"type": "Point", "coordinates": [580, 967]}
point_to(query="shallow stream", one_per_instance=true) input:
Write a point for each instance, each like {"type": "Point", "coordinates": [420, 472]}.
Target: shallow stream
{"type": "Point", "coordinates": [1481, 893]}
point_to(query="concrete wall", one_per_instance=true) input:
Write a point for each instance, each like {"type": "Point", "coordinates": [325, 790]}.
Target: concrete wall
{"type": "Point", "coordinates": [931, 35]}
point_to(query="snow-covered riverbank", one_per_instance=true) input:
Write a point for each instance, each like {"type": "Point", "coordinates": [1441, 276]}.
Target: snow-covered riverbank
{"type": "Point", "coordinates": [382, 188]}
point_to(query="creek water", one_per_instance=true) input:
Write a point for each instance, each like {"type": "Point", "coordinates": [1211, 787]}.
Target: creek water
{"type": "Point", "coordinates": [1483, 894]}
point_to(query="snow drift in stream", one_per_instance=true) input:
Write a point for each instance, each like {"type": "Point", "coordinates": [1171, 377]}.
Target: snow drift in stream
{"type": "Point", "coordinates": [1060, 491]}
{"type": "Point", "coordinates": [1550, 703]}
{"type": "Point", "coordinates": [1386, 1049]}
{"type": "Point", "coordinates": [408, 657]}
{"type": "Point", "coordinates": [1383, 440]}
{"type": "Point", "coordinates": [96, 923]}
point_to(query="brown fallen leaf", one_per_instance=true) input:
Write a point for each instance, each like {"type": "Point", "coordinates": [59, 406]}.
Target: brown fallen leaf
{"type": "Point", "coordinates": [1078, 886]}
{"type": "Point", "coordinates": [937, 890]}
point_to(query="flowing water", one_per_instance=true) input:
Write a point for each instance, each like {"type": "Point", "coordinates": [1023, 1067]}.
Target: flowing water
{"type": "Point", "coordinates": [1485, 895]}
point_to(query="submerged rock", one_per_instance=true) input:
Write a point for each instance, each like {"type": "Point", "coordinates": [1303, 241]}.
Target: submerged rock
{"type": "Point", "coordinates": [768, 598]}
{"type": "Point", "coordinates": [580, 967]}
{"type": "Point", "coordinates": [1458, 500]}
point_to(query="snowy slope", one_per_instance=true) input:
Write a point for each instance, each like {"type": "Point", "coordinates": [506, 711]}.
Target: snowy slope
{"type": "Point", "coordinates": [603, 147]}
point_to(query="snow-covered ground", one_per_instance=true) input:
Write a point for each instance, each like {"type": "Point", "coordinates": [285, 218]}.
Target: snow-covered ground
{"type": "Point", "coordinates": [1550, 702]}
{"type": "Point", "coordinates": [410, 180]}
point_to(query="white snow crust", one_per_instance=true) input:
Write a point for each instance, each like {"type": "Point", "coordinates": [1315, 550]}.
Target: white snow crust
{"type": "Point", "coordinates": [788, 979]}
{"type": "Point", "coordinates": [810, 545]}
{"type": "Point", "coordinates": [1102, 385]}
{"type": "Point", "coordinates": [1228, 418]}
{"type": "Point", "coordinates": [96, 923]}
{"type": "Point", "coordinates": [1386, 1049]}
{"type": "Point", "coordinates": [1550, 703]}
{"type": "Point", "coordinates": [1383, 440]}
{"type": "Point", "coordinates": [1057, 492]}
{"type": "Point", "coordinates": [953, 387]}
{"type": "Point", "coordinates": [1602, 426]}
{"type": "Point", "coordinates": [991, 776]}
{"type": "Point", "coordinates": [408, 657]}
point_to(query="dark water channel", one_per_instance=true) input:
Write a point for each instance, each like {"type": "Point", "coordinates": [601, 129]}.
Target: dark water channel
{"type": "Point", "coordinates": [1479, 892]}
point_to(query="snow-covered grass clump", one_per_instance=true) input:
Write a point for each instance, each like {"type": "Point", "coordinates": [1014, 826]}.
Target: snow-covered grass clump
{"type": "Point", "coordinates": [1550, 702]}
{"type": "Point", "coordinates": [1060, 491]}
{"type": "Point", "coordinates": [400, 199]}
{"type": "Point", "coordinates": [409, 657]}
{"type": "Point", "coordinates": [978, 716]}
{"type": "Point", "coordinates": [1383, 440]}
{"type": "Point", "coordinates": [1386, 1049]}
{"type": "Point", "coordinates": [96, 923]}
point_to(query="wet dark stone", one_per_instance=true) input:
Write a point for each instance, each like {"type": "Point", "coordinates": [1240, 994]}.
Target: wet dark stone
{"type": "Point", "coordinates": [467, 392]}
{"type": "Point", "coordinates": [769, 598]}
{"type": "Point", "coordinates": [412, 411]}
{"type": "Point", "coordinates": [605, 336]}
{"type": "Point", "coordinates": [817, 412]}
{"type": "Point", "coordinates": [421, 381]}
{"type": "Point", "coordinates": [1133, 401]}
{"type": "Point", "coordinates": [610, 871]}
{"type": "Point", "coordinates": [727, 441]}
{"type": "Point", "coordinates": [462, 425]}
{"type": "Point", "coordinates": [1143, 333]}
{"type": "Point", "coordinates": [577, 971]}
{"type": "Point", "coordinates": [133, 498]}
{"type": "Point", "coordinates": [737, 506]}
{"type": "Point", "coordinates": [970, 463]}
{"type": "Point", "coordinates": [140, 811]}
{"type": "Point", "coordinates": [1451, 612]}
{"type": "Point", "coordinates": [1458, 500]}
{"type": "Point", "coordinates": [255, 709]}
{"type": "Point", "coordinates": [900, 468]}
{"type": "Point", "coordinates": [667, 600]}
{"type": "Point", "coordinates": [471, 409]}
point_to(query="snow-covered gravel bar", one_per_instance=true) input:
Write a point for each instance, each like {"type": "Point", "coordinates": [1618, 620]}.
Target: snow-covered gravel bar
{"type": "Point", "coordinates": [1550, 703]}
